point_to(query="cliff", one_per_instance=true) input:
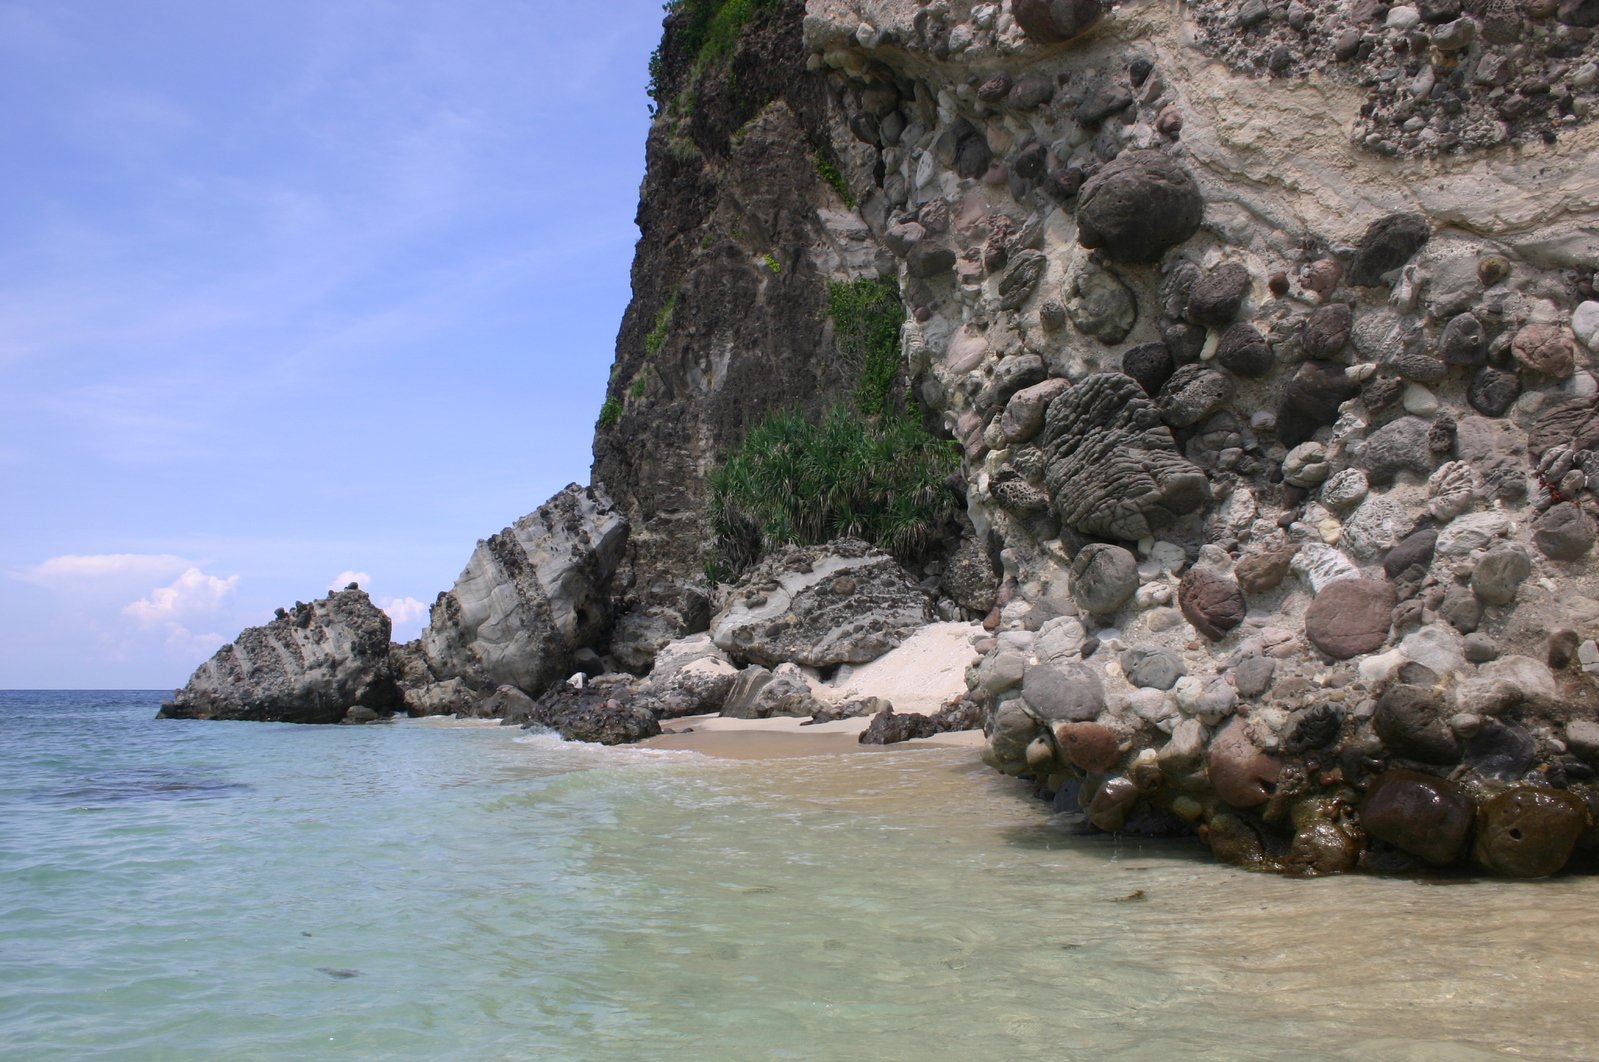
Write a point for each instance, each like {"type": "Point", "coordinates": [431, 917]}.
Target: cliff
{"type": "Point", "coordinates": [1261, 342]}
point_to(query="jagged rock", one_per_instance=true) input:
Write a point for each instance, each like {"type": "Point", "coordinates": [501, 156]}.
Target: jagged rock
{"type": "Point", "coordinates": [1215, 299]}
{"type": "Point", "coordinates": [1212, 601]}
{"type": "Point", "coordinates": [1493, 391]}
{"type": "Point", "coordinates": [1137, 206]}
{"type": "Point", "coordinates": [889, 727]}
{"type": "Point", "coordinates": [1114, 470]}
{"type": "Point", "coordinates": [1426, 816]}
{"type": "Point", "coordinates": [1057, 21]}
{"type": "Point", "coordinates": [1529, 832]}
{"type": "Point", "coordinates": [600, 713]}
{"type": "Point", "coordinates": [1350, 617]}
{"type": "Point", "coordinates": [530, 596]}
{"type": "Point", "coordinates": [1389, 243]}
{"type": "Point", "coordinates": [1021, 279]}
{"type": "Point", "coordinates": [1399, 446]}
{"type": "Point", "coordinates": [691, 676]}
{"type": "Point", "coordinates": [843, 603]}
{"type": "Point", "coordinates": [1103, 578]}
{"type": "Point", "coordinates": [1574, 424]}
{"type": "Point", "coordinates": [1328, 329]}
{"type": "Point", "coordinates": [309, 665]}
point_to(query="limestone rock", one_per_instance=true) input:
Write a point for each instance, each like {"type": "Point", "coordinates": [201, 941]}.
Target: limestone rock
{"type": "Point", "coordinates": [530, 596]}
{"type": "Point", "coordinates": [311, 664]}
{"type": "Point", "coordinates": [842, 603]}
{"type": "Point", "coordinates": [761, 694]}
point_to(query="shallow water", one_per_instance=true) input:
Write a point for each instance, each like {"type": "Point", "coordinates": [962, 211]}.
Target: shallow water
{"type": "Point", "coordinates": [177, 889]}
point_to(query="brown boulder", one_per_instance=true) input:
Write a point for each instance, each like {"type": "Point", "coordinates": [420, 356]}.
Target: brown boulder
{"type": "Point", "coordinates": [1212, 601]}
{"type": "Point", "coordinates": [1350, 617]}
{"type": "Point", "coordinates": [1529, 832]}
{"type": "Point", "coordinates": [1241, 774]}
{"type": "Point", "coordinates": [1425, 816]}
{"type": "Point", "coordinates": [1089, 746]}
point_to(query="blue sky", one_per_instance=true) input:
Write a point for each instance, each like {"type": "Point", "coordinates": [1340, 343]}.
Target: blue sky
{"type": "Point", "coordinates": [292, 291]}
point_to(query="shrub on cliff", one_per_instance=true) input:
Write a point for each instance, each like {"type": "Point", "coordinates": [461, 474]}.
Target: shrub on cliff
{"type": "Point", "coordinates": [883, 479]}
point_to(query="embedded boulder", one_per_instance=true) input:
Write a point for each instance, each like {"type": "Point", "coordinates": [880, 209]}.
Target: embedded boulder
{"type": "Point", "coordinates": [842, 603]}
{"type": "Point", "coordinates": [1057, 21]}
{"type": "Point", "coordinates": [311, 664]}
{"type": "Point", "coordinates": [1426, 816]}
{"type": "Point", "coordinates": [1141, 203]}
{"type": "Point", "coordinates": [530, 596]}
{"type": "Point", "coordinates": [1350, 617]}
{"type": "Point", "coordinates": [1113, 468]}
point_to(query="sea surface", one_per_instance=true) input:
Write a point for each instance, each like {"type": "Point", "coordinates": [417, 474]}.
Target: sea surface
{"type": "Point", "coordinates": [192, 890]}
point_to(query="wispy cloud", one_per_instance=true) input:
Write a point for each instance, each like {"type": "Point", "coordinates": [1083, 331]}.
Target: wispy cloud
{"type": "Point", "coordinates": [79, 569]}
{"type": "Point", "coordinates": [192, 593]}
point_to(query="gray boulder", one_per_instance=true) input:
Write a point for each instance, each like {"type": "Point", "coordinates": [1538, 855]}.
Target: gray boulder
{"type": "Point", "coordinates": [530, 596]}
{"type": "Point", "coordinates": [312, 664]}
{"type": "Point", "coordinates": [842, 603]}
{"type": "Point", "coordinates": [761, 694]}
{"type": "Point", "coordinates": [1113, 467]}
{"type": "Point", "coordinates": [1141, 203]}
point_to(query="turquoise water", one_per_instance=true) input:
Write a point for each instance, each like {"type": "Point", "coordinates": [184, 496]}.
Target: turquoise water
{"type": "Point", "coordinates": [191, 890]}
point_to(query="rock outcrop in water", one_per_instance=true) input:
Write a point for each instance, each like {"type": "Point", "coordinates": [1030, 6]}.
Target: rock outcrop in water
{"type": "Point", "coordinates": [1268, 336]}
{"type": "Point", "coordinates": [323, 662]}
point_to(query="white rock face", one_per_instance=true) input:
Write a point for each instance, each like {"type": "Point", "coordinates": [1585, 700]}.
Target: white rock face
{"type": "Point", "coordinates": [530, 596]}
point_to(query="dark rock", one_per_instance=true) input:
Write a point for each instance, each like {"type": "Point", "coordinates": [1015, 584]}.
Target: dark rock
{"type": "Point", "coordinates": [1241, 774]}
{"type": "Point", "coordinates": [995, 88]}
{"type": "Point", "coordinates": [1463, 341]}
{"type": "Point", "coordinates": [969, 578]}
{"type": "Point", "coordinates": [1314, 728]}
{"type": "Point", "coordinates": [1104, 578]}
{"type": "Point", "coordinates": [1212, 601]}
{"type": "Point", "coordinates": [1529, 832]}
{"type": "Point", "coordinates": [1415, 550]}
{"type": "Point", "coordinates": [311, 664]}
{"type": "Point", "coordinates": [1389, 243]}
{"type": "Point", "coordinates": [1420, 368]}
{"type": "Point", "coordinates": [1011, 375]}
{"type": "Point", "coordinates": [1101, 305]}
{"type": "Point", "coordinates": [1088, 746]}
{"type": "Point", "coordinates": [1192, 393]}
{"type": "Point", "coordinates": [1112, 802]}
{"type": "Point", "coordinates": [1152, 668]}
{"type": "Point", "coordinates": [1233, 841]}
{"type": "Point", "coordinates": [1493, 391]}
{"type": "Point", "coordinates": [1137, 206]}
{"type": "Point", "coordinates": [1350, 617]}
{"type": "Point", "coordinates": [1114, 470]}
{"type": "Point", "coordinates": [1030, 93]}
{"type": "Point", "coordinates": [1311, 400]}
{"type": "Point", "coordinates": [1243, 350]}
{"type": "Point", "coordinates": [889, 727]}
{"type": "Point", "coordinates": [1461, 609]}
{"type": "Point", "coordinates": [1150, 364]}
{"type": "Point", "coordinates": [1398, 446]}
{"type": "Point", "coordinates": [1500, 751]}
{"type": "Point", "coordinates": [595, 714]}
{"type": "Point", "coordinates": [1057, 21]}
{"type": "Point", "coordinates": [1216, 298]}
{"type": "Point", "coordinates": [1185, 341]}
{"type": "Point", "coordinates": [1564, 532]}
{"type": "Point", "coordinates": [1584, 13]}
{"type": "Point", "coordinates": [1443, 435]}
{"type": "Point", "coordinates": [1327, 330]}
{"type": "Point", "coordinates": [1026, 269]}
{"type": "Point", "coordinates": [1426, 816]}
{"type": "Point", "coordinates": [926, 260]}
{"type": "Point", "coordinates": [1064, 693]}
{"type": "Point", "coordinates": [1101, 104]}
{"type": "Point", "coordinates": [1409, 723]}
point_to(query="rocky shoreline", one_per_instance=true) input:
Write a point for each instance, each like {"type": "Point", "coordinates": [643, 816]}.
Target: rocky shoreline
{"type": "Point", "coordinates": [1267, 334]}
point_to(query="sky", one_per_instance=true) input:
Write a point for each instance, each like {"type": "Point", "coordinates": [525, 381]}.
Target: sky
{"type": "Point", "coordinates": [293, 294]}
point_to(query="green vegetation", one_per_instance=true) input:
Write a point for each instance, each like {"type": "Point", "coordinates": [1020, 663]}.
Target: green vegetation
{"type": "Point", "coordinates": [832, 175]}
{"type": "Point", "coordinates": [662, 327]}
{"type": "Point", "coordinates": [610, 412]}
{"type": "Point", "coordinates": [638, 385]}
{"type": "Point", "coordinates": [769, 260]}
{"type": "Point", "coordinates": [707, 30]}
{"type": "Point", "coordinates": [867, 316]}
{"type": "Point", "coordinates": [877, 478]}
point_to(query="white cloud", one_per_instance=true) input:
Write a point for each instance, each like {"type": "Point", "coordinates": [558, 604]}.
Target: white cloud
{"type": "Point", "coordinates": [404, 610]}
{"type": "Point", "coordinates": [344, 579]}
{"type": "Point", "coordinates": [192, 593]}
{"type": "Point", "coordinates": [70, 569]}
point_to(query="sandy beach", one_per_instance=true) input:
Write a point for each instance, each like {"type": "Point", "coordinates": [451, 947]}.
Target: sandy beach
{"type": "Point", "coordinates": [764, 739]}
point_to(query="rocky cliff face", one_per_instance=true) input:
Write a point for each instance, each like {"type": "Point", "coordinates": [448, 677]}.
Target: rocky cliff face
{"type": "Point", "coordinates": [1268, 334]}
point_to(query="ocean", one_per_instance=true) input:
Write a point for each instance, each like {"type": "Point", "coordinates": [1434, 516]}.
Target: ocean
{"type": "Point", "coordinates": [425, 890]}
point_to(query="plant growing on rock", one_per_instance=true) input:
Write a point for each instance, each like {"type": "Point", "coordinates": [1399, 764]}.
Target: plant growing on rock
{"type": "Point", "coordinates": [610, 412]}
{"type": "Point", "coordinates": [867, 316]}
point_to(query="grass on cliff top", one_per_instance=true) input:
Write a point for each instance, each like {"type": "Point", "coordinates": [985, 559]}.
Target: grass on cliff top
{"type": "Point", "coordinates": [882, 479]}
{"type": "Point", "coordinates": [708, 30]}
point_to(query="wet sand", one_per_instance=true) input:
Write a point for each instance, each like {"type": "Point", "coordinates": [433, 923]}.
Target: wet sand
{"type": "Point", "coordinates": [765, 739]}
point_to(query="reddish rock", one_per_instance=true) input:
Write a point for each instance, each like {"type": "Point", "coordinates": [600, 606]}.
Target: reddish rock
{"type": "Point", "coordinates": [1426, 816]}
{"type": "Point", "coordinates": [1261, 573]}
{"type": "Point", "coordinates": [1529, 832]}
{"type": "Point", "coordinates": [1112, 803]}
{"type": "Point", "coordinates": [1350, 617]}
{"type": "Point", "coordinates": [1241, 774]}
{"type": "Point", "coordinates": [1545, 348]}
{"type": "Point", "coordinates": [1089, 746]}
{"type": "Point", "coordinates": [1212, 601]}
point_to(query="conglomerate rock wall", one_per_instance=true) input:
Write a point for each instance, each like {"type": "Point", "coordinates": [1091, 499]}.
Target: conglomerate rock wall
{"type": "Point", "coordinates": [1268, 334]}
